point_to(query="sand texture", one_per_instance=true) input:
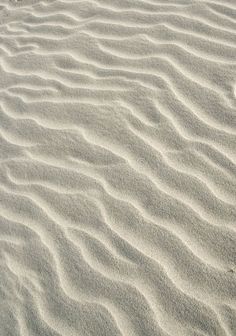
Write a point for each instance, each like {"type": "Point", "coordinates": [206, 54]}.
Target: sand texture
{"type": "Point", "coordinates": [118, 168]}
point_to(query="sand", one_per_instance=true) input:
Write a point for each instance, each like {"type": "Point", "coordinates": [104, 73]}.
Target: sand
{"type": "Point", "coordinates": [117, 173]}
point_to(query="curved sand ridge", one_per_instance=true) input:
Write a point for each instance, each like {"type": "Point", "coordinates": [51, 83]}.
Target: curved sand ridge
{"type": "Point", "coordinates": [117, 175]}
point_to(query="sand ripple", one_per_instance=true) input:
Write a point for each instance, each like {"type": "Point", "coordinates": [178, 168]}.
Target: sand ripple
{"type": "Point", "coordinates": [117, 175]}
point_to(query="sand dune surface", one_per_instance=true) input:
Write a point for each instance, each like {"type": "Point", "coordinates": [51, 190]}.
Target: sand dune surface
{"type": "Point", "coordinates": [117, 171]}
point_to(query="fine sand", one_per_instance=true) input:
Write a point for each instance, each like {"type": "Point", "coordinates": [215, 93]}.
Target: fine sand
{"type": "Point", "coordinates": [118, 168]}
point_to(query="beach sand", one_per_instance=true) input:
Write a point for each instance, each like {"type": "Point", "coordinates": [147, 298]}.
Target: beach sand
{"type": "Point", "coordinates": [117, 171]}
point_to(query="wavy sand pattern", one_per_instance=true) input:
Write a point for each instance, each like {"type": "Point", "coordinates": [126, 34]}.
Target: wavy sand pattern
{"type": "Point", "coordinates": [118, 175]}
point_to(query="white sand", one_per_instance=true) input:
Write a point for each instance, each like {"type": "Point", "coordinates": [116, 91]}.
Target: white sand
{"type": "Point", "coordinates": [118, 175]}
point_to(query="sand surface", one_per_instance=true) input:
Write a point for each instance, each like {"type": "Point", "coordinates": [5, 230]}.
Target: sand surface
{"type": "Point", "coordinates": [117, 168]}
